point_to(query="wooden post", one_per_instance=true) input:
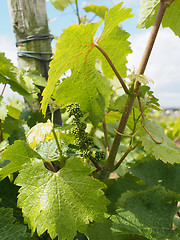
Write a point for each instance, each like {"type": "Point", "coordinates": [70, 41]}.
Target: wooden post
{"type": "Point", "coordinates": [33, 40]}
{"type": "Point", "coordinates": [30, 26]}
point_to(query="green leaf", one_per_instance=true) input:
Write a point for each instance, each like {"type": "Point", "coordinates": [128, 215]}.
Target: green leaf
{"type": "Point", "coordinates": [171, 18]}
{"type": "Point", "coordinates": [120, 185]}
{"type": "Point", "coordinates": [148, 13]}
{"type": "Point", "coordinates": [148, 213]}
{"type": "Point", "coordinates": [113, 41]}
{"type": "Point", "coordinates": [19, 153]}
{"type": "Point", "coordinates": [99, 231]}
{"type": "Point", "coordinates": [149, 10]}
{"type": "Point", "coordinates": [120, 103]}
{"type": "Point", "coordinates": [98, 10]}
{"type": "Point", "coordinates": [37, 79]}
{"type": "Point", "coordinates": [10, 230]}
{"type": "Point", "coordinates": [154, 172]}
{"type": "Point", "coordinates": [8, 196]}
{"type": "Point", "coordinates": [6, 68]}
{"type": "Point", "coordinates": [61, 4]}
{"type": "Point", "coordinates": [76, 51]}
{"type": "Point", "coordinates": [63, 202]}
{"type": "Point", "coordinates": [125, 222]}
{"type": "Point", "coordinates": [166, 151]}
{"type": "Point", "coordinates": [176, 126]}
{"type": "Point", "coordinates": [3, 109]}
{"type": "Point", "coordinates": [13, 112]}
{"type": "Point", "coordinates": [38, 133]}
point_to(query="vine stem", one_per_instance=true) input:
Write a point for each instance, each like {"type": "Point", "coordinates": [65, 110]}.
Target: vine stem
{"type": "Point", "coordinates": [1, 136]}
{"type": "Point", "coordinates": [113, 68]}
{"type": "Point", "coordinates": [3, 89]}
{"type": "Point", "coordinates": [109, 166]}
{"type": "Point", "coordinates": [77, 11]}
{"type": "Point", "coordinates": [105, 135]}
{"type": "Point", "coordinates": [57, 143]}
{"type": "Point", "coordinates": [130, 148]}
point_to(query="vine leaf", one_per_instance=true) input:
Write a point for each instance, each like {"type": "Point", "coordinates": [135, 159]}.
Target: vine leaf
{"type": "Point", "coordinates": [19, 153]}
{"type": "Point", "coordinates": [9, 230]}
{"type": "Point", "coordinates": [147, 213]}
{"type": "Point", "coordinates": [149, 11]}
{"type": "Point", "coordinates": [19, 80]}
{"type": "Point", "coordinates": [76, 51]}
{"type": "Point", "coordinates": [8, 196]}
{"type": "Point", "coordinates": [54, 201]}
{"type": "Point", "coordinates": [38, 133]}
{"type": "Point", "coordinates": [98, 10]}
{"type": "Point", "coordinates": [99, 231]}
{"type": "Point", "coordinates": [3, 109]}
{"type": "Point", "coordinates": [154, 172]}
{"type": "Point", "coordinates": [61, 4]}
{"type": "Point", "coordinates": [113, 41]}
{"type": "Point", "coordinates": [172, 17]}
{"type": "Point", "coordinates": [176, 127]}
{"type": "Point", "coordinates": [166, 151]}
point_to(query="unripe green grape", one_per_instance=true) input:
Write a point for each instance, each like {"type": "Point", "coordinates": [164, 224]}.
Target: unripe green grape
{"type": "Point", "coordinates": [87, 154]}
{"type": "Point", "coordinates": [99, 156]}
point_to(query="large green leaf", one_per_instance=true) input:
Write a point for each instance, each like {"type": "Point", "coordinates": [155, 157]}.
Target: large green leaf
{"type": "Point", "coordinates": [98, 10]}
{"type": "Point", "coordinates": [19, 153]}
{"type": "Point", "coordinates": [62, 202]}
{"type": "Point", "coordinates": [100, 231]}
{"type": "Point", "coordinates": [76, 51]}
{"type": "Point", "coordinates": [10, 230]}
{"type": "Point", "coordinates": [148, 213]}
{"type": "Point", "coordinates": [166, 151]}
{"type": "Point", "coordinates": [155, 172]}
{"type": "Point", "coordinates": [61, 4]}
{"type": "Point", "coordinates": [149, 10]}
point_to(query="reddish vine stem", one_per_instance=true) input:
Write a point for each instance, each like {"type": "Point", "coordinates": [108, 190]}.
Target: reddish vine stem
{"type": "Point", "coordinates": [125, 155]}
{"type": "Point", "coordinates": [113, 68]}
{"type": "Point", "coordinates": [105, 135]}
{"type": "Point", "coordinates": [3, 89]}
{"type": "Point", "coordinates": [113, 152]}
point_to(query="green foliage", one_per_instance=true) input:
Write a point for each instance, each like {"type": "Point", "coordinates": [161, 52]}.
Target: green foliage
{"type": "Point", "coordinates": [62, 195]}
{"type": "Point", "coordinates": [19, 153]}
{"type": "Point", "coordinates": [98, 10]}
{"type": "Point", "coordinates": [142, 213]}
{"type": "Point", "coordinates": [154, 172]}
{"type": "Point", "coordinates": [80, 57]}
{"type": "Point", "coordinates": [108, 172]}
{"type": "Point", "coordinates": [61, 4]}
{"type": "Point", "coordinates": [164, 148]}
{"type": "Point", "coordinates": [10, 230]}
{"type": "Point", "coordinates": [3, 109]}
{"type": "Point", "coordinates": [149, 11]}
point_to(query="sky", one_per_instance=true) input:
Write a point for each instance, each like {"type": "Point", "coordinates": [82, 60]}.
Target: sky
{"type": "Point", "coordinates": [164, 63]}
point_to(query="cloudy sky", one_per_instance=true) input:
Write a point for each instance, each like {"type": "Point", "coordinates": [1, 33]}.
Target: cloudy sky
{"type": "Point", "coordinates": [163, 65]}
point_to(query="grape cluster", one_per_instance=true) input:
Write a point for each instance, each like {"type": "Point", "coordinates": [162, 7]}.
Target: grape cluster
{"type": "Point", "coordinates": [74, 110]}
{"type": "Point", "coordinates": [99, 156]}
{"type": "Point", "coordinates": [82, 139]}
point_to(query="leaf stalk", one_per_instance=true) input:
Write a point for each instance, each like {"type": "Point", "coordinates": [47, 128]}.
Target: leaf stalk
{"type": "Point", "coordinates": [113, 68]}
